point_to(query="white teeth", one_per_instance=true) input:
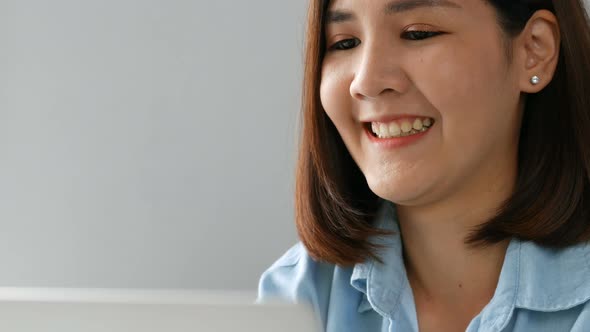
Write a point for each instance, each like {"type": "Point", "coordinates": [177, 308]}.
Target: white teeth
{"type": "Point", "coordinates": [384, 130]}
{"type": "Point", "coordinates": [417, 124]}
{"type": "Point", "coordinates": [406, 126]}
{"type": "Point", "coordinates": [394, 129]}
{"type": "Point", "coordinates": [397, 129]}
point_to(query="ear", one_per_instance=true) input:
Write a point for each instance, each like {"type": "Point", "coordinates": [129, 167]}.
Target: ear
{"type": "Point", "coordinates": [539, 45]}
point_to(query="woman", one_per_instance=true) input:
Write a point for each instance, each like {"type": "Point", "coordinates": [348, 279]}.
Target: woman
{"type": "Point", "coordinates": [444, 172]}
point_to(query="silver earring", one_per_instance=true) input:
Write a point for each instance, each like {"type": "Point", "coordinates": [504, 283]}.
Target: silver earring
{"type": "Point", "coordinates": [535, 80]}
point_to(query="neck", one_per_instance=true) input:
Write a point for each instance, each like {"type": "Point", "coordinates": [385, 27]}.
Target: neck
{"type": "Point", "coordinates": [442, 269]}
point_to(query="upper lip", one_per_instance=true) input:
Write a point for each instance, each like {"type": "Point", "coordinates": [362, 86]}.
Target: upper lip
{"type": "Point", "coordinates": [393, 117]}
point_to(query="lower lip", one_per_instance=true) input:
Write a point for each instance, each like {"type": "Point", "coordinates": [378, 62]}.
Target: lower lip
{"type": "Point", "coordinates": [396, 142]}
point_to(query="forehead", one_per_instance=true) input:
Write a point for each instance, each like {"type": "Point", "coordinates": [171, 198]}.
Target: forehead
{"type": "Point", "coordinates": [342, 11]}
{"type": "Point", "coordinates": [388, 7]}
{"type": "Point", "coordinates": [398, 5]}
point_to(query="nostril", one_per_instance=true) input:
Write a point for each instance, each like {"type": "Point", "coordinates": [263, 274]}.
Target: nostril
{"type": "Point", "coordinates": [367, 96]}
{"type": "Point", "coordinates": [361, 97]}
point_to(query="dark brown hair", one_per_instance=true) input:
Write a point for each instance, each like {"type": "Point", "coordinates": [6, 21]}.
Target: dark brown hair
{"type": "Point", "coordinates": [550, 205]}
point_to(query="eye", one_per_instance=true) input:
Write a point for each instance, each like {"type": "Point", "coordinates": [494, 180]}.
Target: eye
{"type": "Point", "coordinates": [345, 44]}
{"type": "Point", "coordinates": [419, 35]}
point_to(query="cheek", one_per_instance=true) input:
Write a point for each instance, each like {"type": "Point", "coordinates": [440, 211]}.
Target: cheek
{"type": "Point", "coordinates": [464, 83]}
{"type": "Point", "coordinates": [334, 98]}
{"type": "Point", "coordinates": [338, 105]}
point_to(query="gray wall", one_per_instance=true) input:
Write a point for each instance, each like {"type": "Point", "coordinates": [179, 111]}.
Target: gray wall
{"type": "Point", "coordinates": [147, 143]}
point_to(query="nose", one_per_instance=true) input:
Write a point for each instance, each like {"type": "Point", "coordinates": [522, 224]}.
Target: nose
{"type": "Point", "coordinates": [377, 72]}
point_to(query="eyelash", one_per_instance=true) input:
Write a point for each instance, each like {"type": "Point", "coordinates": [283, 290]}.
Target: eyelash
{"type": "Point", "coordinates": [413, 35]}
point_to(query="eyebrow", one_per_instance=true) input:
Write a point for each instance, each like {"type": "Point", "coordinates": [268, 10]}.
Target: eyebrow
{"type": "Point", "coordinates": [393, 7]}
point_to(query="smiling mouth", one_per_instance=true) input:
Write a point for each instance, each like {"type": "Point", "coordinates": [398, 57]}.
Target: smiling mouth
{"type": "Point", "coordinates": [399, 128]}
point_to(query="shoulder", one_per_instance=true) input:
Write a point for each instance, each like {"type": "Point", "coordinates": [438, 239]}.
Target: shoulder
{"type": "Point", "coordinates": [296, 277]}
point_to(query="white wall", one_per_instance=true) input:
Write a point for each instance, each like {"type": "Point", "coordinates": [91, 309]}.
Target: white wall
{"type": "Point", "coordinates": [147, 143]}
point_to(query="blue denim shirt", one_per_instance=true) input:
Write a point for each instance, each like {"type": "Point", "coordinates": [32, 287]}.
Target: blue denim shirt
{"type": "Point", "coordinates": [539, 289]}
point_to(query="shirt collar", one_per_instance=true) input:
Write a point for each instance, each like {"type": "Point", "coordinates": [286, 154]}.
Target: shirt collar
{"type": "Point", "coordinates": [532, 277]}
{"type": "Point", "coordinates": [382, 284]}
{"type": "Point", "coordinates": [553, 279]}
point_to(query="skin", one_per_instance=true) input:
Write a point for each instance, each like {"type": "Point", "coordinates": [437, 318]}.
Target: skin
{"type": "Point", "coordinates": [466, 165]}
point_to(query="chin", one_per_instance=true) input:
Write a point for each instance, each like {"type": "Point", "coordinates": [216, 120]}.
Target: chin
{"type": "Point", "coordinates": [395, 190]}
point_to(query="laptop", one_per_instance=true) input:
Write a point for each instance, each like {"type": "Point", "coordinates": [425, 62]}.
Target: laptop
{"type": "Point", "coordinates": [126, 310]}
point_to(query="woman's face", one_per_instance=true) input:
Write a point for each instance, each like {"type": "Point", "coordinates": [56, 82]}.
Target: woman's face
{"type": "Point", "coordinates": [422, 94]}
